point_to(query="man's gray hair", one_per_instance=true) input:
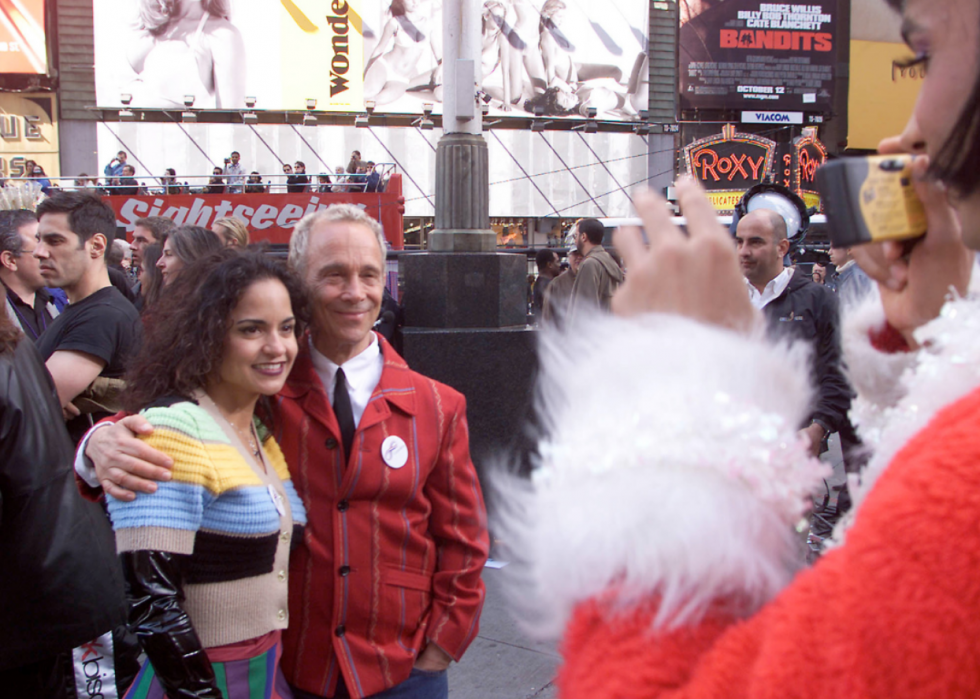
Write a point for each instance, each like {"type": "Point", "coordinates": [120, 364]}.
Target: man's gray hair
{"type": "Point", "coordinates": [300, 240]}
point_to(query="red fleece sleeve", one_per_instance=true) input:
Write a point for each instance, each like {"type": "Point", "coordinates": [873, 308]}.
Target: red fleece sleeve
{"type": "Point", "coordinates": [894, 612]}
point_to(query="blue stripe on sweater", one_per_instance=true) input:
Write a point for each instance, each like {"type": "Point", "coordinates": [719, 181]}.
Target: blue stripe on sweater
{"type": "Point", "coordinates": [246, 510]}
{"type": "Point", "coordinates": [298, 509]}
{"type": "Point", "coordinates": [242, 511]}
{"type": "Point", "coordinates": [173, 505]}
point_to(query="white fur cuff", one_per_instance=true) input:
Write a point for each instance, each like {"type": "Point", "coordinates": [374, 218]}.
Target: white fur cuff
{"type": "Point", "coordinates": [670, 465]}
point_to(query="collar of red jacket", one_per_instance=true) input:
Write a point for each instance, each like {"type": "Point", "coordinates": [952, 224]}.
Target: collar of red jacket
{"type": "Point", "coordinates": [396, 385]}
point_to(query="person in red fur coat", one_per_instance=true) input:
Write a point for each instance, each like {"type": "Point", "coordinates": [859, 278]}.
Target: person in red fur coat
{"type": "Point", "coordinates": [683, 580]}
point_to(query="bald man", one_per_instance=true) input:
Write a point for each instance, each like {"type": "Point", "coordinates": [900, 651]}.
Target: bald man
{"type": "Point", "coordinates": [795, 306]}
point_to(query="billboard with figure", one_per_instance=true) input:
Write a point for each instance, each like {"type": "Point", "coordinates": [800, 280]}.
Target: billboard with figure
{"type": "Point", "coordinates": [761, 56]}
{"type": "Point", "coordinates": [213, 54]}
{"type": "Point", "coordinates": [557, 58]}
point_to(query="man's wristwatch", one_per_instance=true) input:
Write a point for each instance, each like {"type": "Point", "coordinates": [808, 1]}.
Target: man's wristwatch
{"type": "Point", "coordinates": [822, 425]}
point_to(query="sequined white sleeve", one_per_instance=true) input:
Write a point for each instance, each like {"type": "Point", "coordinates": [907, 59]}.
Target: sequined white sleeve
{"type": "Point", "coordinates": [670, 464]}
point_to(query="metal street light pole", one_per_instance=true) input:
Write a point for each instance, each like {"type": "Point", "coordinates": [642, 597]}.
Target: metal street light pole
{"type": "Point", "coordinates": [462, 163]}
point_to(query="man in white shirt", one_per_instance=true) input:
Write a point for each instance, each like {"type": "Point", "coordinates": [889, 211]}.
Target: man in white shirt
{"type": "Point", "coordinates": [795, 306]}
{"type": "Point", "coordinates": [385, 588]}
{"type": "Point", "coordinates": [234, 174]}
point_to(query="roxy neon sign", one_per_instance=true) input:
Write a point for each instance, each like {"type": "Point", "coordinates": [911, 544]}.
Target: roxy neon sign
{"type": "Point", "coordinates": [707, 163]}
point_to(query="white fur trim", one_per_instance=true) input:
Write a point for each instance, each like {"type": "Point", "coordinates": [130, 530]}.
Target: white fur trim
{"type": "Point", "coordinates": [670, 464]}
{"type": "Point", "coordinates": [875, 375]}
{"type": "Point", "coordinates": [946, 369]}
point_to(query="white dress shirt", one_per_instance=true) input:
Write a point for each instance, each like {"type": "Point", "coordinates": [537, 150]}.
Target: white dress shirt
{"type": "Point", "coordinates": [361, 372]}
{"type": "Point", "coordinates": [772, 291]}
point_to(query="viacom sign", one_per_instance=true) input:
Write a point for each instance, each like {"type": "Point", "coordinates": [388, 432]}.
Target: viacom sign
{"type": "Point", "coordinates": [772, 117]}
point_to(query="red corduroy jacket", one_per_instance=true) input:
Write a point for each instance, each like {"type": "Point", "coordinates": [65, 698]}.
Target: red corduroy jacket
{"type": "Point", "coordinates": [391, 557]}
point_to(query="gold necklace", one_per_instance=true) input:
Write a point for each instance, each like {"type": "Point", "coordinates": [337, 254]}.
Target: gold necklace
{"type": "Point", "coordinates": [247, 438]}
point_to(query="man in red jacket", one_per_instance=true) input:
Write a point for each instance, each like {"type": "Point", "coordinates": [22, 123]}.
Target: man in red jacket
{"type": "Point", "coordinates": [385, 588]}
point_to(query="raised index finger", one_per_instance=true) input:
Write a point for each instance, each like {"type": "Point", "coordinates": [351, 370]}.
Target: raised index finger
{"type": "Point", "coordinates": [652, 209]}
{"type": "Point", "coordinates": [702, 219]}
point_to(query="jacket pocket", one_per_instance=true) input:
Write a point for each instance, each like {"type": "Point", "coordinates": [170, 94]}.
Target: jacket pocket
{"type": "Point", "coordinates": [412, 579]}
{"type": "Point", "coordinates": [407, 597]}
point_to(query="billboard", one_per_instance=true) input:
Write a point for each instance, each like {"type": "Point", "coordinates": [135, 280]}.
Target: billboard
{"type": "Point", "coordinates": [28, 132]}
{"type": "Point", "coordinates": [881, 92]}
{"type": "Point", "coordinates": [564, 57]}
{"type": "Point", "coordinates": [757, 56]}
{"type": "Point", "coordinates": [23, 44]}
{"type": "Point", "coordinates": [220, 52]}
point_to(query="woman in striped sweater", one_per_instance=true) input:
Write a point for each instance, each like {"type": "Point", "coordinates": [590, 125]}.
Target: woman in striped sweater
{"type": "Point", "coordinates": [206, 555]}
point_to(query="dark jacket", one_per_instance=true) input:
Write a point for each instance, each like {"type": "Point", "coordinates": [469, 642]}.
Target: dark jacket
{"type": "Point", "coordinates": [297, 184]}
{"type": "Point", "coordinates": [61, 584]}
{"type": "Point", "coordinates": [808, 311]}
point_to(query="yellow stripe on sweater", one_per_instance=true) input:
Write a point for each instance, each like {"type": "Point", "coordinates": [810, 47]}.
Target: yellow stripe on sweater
{"type": "Point", "coordinates": [216, 467]}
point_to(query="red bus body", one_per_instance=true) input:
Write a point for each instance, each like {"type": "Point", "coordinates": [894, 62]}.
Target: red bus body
{"type": "Point", "coordinates": [270, 217]}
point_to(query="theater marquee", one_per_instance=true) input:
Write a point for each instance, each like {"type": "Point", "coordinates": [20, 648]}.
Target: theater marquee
{"type": "Point", "coordinates": [729, 163]}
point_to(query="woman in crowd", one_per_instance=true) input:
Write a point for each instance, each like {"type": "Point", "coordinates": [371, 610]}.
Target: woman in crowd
{"type": "Point", "coordinates": [183, 48]}
{"type": "Point", "coordinates": [184, 246]}
{"type": "Point", "coordinates": [203, 555]}
{"type": "Point", "coordinates": [60, 583]}
{"type": "Point", "coordinates": [324, 184]}
{"type": "Point", "coordinates": [682, 581]}
{"type": "Point", "coordinates": [151, 278]}
{"type": "Point", "coordinates": [170, 183]}
{"type": "Point", "coordinates": [232, 231]}
{"type": "Point", "coordinates": [254, 184]}
{"type": "Point", "coordinates": [216, 185]}
{"type": "Point", "coordinates": [39, 176]}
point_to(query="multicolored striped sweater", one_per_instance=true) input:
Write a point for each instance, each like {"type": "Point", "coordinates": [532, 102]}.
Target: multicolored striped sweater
{"type": "Point", "coordinates": [220, 513]}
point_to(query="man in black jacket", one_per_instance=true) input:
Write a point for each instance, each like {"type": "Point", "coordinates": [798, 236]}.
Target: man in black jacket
{"type": "Point", "coordinates": [62, 600]}
{"type": "Point", "coordinates": [796, 306]}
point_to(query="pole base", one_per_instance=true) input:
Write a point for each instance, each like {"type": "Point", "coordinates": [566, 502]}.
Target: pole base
{"type": "Point", "coordinates": [462, 241]}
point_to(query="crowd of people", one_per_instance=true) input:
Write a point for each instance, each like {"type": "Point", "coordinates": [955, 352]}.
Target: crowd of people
{"type": "Point", "coordinates": [296, 514]}
{"type": "Point", "coordinates": [228, 370]}
{"type": "Point", "coordinates": [357, 176]}
{"type": "Point", "coordinates": [120, 179]}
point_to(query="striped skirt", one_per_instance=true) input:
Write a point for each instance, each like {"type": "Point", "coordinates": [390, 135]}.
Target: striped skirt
{"type": "Point", "coordinates": [248, 670]}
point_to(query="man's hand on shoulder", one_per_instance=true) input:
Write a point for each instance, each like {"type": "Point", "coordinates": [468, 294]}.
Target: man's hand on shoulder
{"type": "Point", "coordinates": [433, 659]}
{"type": "Point", "coordinates": [126, 465]}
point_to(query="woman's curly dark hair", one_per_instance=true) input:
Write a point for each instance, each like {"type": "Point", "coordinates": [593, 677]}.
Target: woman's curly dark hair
{"type": "Point", "coordinates": [185, 335]}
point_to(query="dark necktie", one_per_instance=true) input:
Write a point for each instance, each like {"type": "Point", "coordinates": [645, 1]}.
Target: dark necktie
{"type": "Point", "coordinates": [345, 414]}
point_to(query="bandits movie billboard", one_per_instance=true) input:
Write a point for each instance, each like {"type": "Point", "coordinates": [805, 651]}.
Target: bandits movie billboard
{"type": "Point", "coordinates": [752, 55]}
{"type": "Point", "coordinates": [559, 58]}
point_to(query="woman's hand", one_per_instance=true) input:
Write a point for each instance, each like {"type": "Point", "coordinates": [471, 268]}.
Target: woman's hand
{"type": "Point", "coordinates": [914, 283]}
{"type": "Point", "coordinates": [695, 275]}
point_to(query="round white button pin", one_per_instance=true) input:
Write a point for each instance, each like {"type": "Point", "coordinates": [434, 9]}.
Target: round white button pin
{"type": "Point", "coordinates": [394, 451]}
